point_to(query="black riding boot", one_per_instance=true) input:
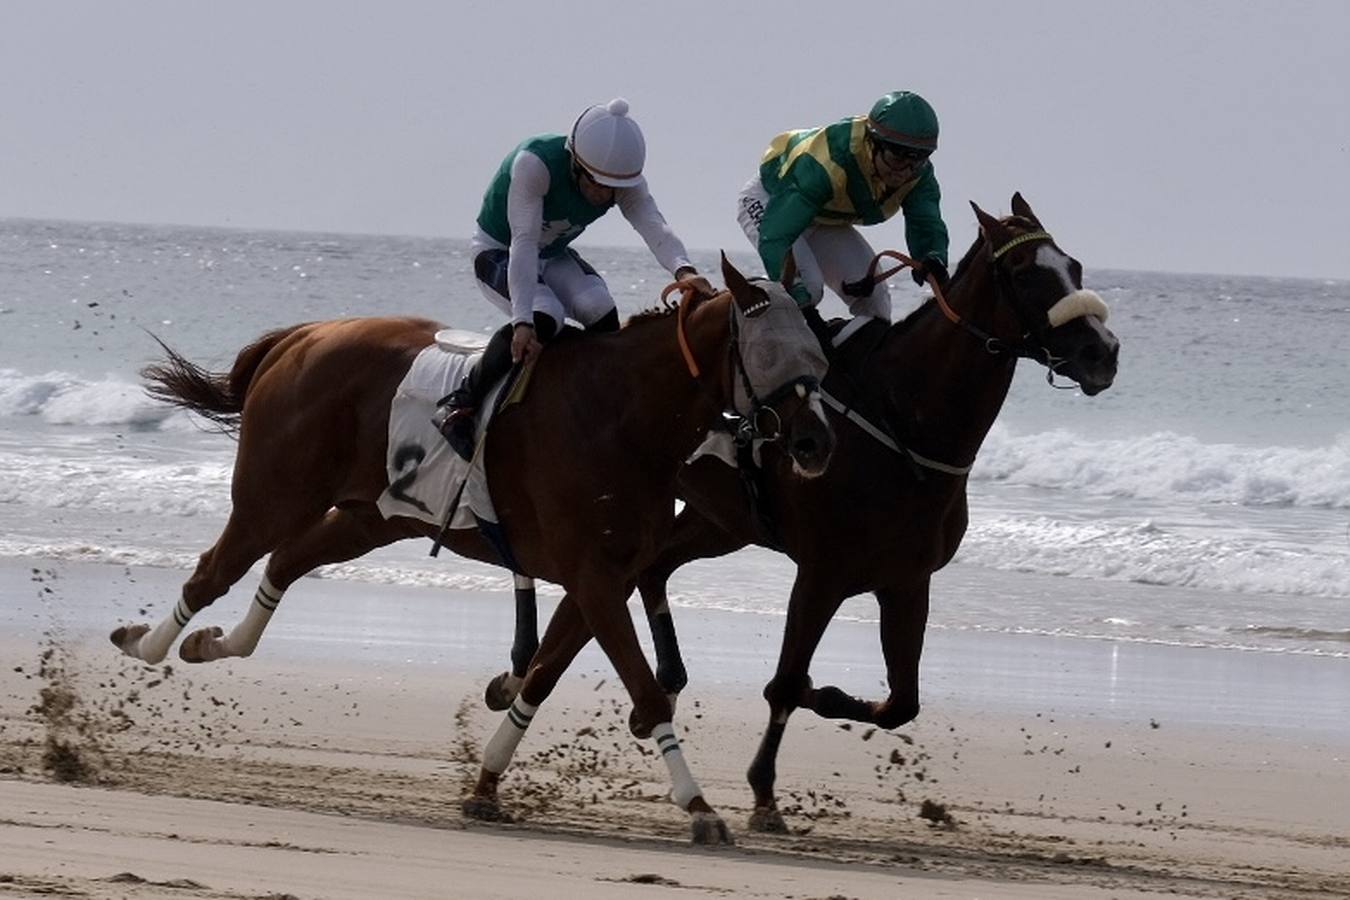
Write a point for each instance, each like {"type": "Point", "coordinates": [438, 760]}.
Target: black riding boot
{"type": "Point", "coordinates": [457, 422]}
{"type": "Point", "coordinates": [819, 328]}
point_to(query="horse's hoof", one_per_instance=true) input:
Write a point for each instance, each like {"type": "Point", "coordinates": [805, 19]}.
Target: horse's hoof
{"type": "Point", "coordinates": [193, 648]}
{"type": "Point", "coordinates": [485, 809]}
{"type": "Point", "coordinates": [127, 637]}
{"type": "Point", "coordinates": [707, 829]}
{"type": "Point", "coordinates": [498, 696]}
{"type": "Point", "coordinates": [767, 820]}
{"type": "Point", "coordinates": [639, 728]}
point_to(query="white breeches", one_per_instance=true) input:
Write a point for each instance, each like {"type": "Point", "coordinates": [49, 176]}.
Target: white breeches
{"type": "Point", "coordinates": [826, 255]}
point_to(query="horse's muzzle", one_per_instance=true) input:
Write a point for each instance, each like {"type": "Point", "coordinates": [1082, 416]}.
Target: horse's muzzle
{"type": "Point", "coordinates": [1097, 365]}
{"type": "Point", "coordinates": [810, 442]}
{"type": "Point", "coordinates": [1090, 354]}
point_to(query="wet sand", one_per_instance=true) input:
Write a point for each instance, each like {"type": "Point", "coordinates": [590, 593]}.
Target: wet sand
{"type": "Point", "coordinates": [338, 773]}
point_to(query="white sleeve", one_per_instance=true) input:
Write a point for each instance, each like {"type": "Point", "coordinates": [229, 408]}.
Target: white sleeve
{"type": "Point", "coordinates": [525, 215]}
{"type": "Point", "coordinates": [639, 208]}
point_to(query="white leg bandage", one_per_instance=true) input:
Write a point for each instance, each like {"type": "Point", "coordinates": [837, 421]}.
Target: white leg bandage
{"type": "Point", "coordinates": [154, 645]}
{"type": "Point", "coordinates": [497, 755]}
{"type": "Point", "coordinates": [683, 788]}
{"type": "Point", "coordinates": [243, 639]}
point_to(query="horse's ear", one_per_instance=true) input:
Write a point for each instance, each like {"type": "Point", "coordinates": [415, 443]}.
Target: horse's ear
{"type": "Point", "coordinates": [993, 230]}
{"type": "Point", "coordinates": [748, 296]}
{"type": "Point", "coordinates": [1020, 207]}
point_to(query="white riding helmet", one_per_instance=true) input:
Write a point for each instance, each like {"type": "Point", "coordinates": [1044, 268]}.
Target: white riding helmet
{"type": "Point", "coordinates": [608, 144]}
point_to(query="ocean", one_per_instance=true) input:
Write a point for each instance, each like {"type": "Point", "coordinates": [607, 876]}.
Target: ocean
{"type": "Point", "coordinates": [1204, 500]}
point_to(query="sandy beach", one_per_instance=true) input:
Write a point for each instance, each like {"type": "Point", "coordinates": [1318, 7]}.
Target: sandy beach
{"type": "Point", "coordinates": [334, 768]}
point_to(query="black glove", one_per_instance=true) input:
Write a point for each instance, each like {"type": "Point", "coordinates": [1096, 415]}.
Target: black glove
{"type": "Point", "coordinates": [930, 266]}
{"type": "Point", "coordinates": [860, 288]}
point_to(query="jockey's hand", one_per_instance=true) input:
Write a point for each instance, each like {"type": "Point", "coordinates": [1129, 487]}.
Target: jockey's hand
{"type": "Point", "coordinates": [930, 266]}
{"type": "Point", "coordinates": [863, 287]}
{"type": "Point", "coordinates": [525, 345]}
{"type": "Point", "coordinates": [691, 279]}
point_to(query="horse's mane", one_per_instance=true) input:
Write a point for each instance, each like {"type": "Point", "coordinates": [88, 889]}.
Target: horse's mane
{"type": "Point", "coordinates": [961, 267]}
{"type": "Point", "coordinates": [656, 312]}
{"type": "Point", "coordinates": [663, 311]}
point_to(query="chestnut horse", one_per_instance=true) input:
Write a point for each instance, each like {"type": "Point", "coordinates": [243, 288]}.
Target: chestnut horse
{"type": "Point", "coordinates": [910, 416]}
{"type": "Point", "coordinates": [582, 475]}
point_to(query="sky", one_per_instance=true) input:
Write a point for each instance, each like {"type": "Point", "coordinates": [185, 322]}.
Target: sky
{"type": "Point", "coordinates": [1187, 137]}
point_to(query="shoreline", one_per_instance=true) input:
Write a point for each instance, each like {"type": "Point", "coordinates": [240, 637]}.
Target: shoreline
{"type": "Point", "coordinates": [469, 632]}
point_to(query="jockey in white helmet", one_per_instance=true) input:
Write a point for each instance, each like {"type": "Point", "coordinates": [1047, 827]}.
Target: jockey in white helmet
{"type": "Point", "coordinates": [543, 195]}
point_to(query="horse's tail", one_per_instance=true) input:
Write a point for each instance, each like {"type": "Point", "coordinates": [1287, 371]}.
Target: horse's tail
{"type": "Point", "coordinates": [218, 396]}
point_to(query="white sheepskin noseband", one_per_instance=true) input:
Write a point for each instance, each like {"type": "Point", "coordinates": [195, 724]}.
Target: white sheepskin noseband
{"type": "Point", "coordinates": [1077, 304]}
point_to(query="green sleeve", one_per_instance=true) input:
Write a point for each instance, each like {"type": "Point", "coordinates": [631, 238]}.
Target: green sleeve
{"type": "Point", "coordinates": [925, 232]}
{"type": "Point", "coordinates": [792, 208]}
{"type": "Point", "coordinates": [787, 215]}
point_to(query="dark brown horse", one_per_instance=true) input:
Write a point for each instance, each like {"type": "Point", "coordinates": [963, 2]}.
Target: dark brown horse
{"type": "Point", "coordinates": [910, 414]}
{"type": "Point", "coordinates": [884, 520]}
{"type": "Point", "coordinates": [582, 475]}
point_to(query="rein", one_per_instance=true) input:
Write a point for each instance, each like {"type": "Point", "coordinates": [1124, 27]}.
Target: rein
{"type": "Point", "coordinates": [991, 344]}
{"type": "Point", "coordinates": [687, 295]}
{"type": "Point", "coordinates": [748, 427]}
{"type": "Point", "coordinates": [994, 345]}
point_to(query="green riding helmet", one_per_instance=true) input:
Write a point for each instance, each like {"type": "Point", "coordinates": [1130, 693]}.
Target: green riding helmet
{"type": "Point", "coordinates": [904, 118]}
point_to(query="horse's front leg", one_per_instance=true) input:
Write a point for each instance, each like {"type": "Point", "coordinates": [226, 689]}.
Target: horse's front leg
{"type": "Point", "coordinates": [812, 604]}
{"type": "Point", "coordinates": [604, 606]}
{"type": "Point", "coordinates": [904, 616]}
{"type": "Point", "coordinates": [566, 634]}
{"type": "Point", "coordinates": [504, 688]}
{"type": "Point", "coordinates": [693, 537]}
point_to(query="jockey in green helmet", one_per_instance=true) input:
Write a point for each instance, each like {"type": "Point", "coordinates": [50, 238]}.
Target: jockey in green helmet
{"type": "Point", "coordinates": [815, 184]}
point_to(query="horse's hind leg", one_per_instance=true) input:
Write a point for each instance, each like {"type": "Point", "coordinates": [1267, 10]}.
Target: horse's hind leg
{"type": "Point", "coordinates": [342, 534]}
{"type": "Point", "coordinates": [245, 540]}
{"type": "Point", "coordinates": [275, 496]}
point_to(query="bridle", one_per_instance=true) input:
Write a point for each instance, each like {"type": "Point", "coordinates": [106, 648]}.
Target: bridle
{"type": "Point", "coordinates": [1029, 345]}
{"type": "Point", "coordinates": [763, 422]}
{"type": "Point", "coordinates": [1024, 347]}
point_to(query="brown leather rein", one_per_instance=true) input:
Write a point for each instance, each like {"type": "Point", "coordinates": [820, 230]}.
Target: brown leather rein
{"type": "Point", "coordinates": [686, 302]}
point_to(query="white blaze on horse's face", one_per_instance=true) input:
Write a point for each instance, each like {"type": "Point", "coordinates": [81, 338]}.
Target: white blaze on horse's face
{"type": "Point", "coordinates": [1076, 301]}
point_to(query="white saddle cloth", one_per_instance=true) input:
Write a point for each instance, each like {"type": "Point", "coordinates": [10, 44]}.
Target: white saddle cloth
{"type": "Point", "coordinates": [424, 472]}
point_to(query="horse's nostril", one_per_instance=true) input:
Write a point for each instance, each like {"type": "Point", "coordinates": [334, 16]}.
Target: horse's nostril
{"type": "Point", "coordinates": [804, 448]}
